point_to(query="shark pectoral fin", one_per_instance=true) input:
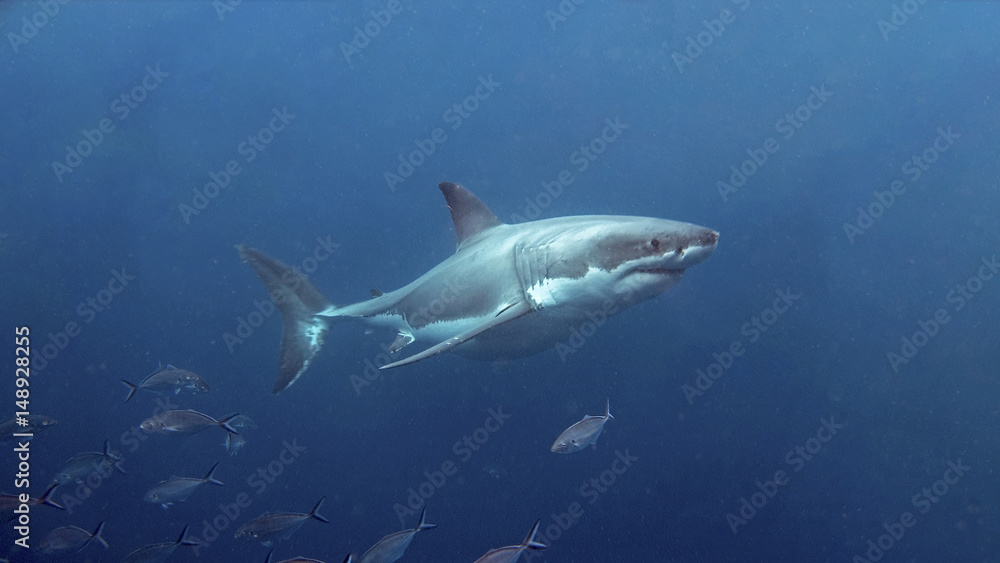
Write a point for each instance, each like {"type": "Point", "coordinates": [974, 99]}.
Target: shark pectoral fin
{"type": "Point", "coordinates": [512, 312]}
{"type": "Point", "coordinates": [400, 341]}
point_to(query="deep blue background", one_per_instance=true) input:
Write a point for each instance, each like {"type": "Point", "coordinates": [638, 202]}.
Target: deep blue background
{"type": "Point", "coordinates": [323, 176]}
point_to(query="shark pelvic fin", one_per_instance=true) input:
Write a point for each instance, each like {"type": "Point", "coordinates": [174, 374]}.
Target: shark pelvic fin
{"type": "Point", "coordinates": [402, 339]}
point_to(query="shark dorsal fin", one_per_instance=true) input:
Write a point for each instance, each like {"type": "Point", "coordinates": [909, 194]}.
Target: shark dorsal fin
{"type": "Point", "coordinates": [470, 215]}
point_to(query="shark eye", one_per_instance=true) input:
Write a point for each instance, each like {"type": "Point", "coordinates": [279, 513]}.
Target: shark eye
{"type": "Point", "coordinates": [655, 243]}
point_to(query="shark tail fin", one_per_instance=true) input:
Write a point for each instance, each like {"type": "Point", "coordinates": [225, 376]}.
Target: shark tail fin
{"type": "Point", "coordinates": [300, 304]}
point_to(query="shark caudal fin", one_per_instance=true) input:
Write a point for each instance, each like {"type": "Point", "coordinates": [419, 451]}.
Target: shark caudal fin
{"type": "Point", "coordinates": [299, 302]}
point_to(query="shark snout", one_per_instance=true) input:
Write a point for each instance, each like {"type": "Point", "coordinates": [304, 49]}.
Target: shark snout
{"type": "Point", "coordinates": [709, 238]}
{"type": "Point", "coordinates": [699, 246]}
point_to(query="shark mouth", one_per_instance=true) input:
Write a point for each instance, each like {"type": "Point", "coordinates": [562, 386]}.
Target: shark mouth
{"type": "Point", "coordinates": [664, 271]}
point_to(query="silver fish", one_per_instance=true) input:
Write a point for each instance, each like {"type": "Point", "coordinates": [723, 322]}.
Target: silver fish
{"type": "Point", "coordinates": [10, 503]}
{"type": "Point", "coordinates": [242, 422]}
{"type": "Point", "coordinates": [78, 467]}
{"type": "Point", "coordinates": [235, 442]}
{"type": "Point", "coordinates": [583, 433]}
{"type": "Point", "coordinates": [510, 553]}
{"type": "Point", "coordinates": [269, 528]}
{"type": "Point", "coordinates": [391, 547]}
{"type": "Point", "coordinates": [178, 489]}
{"type": "Point", "coordinates": [72, 538]}
{"type": "Point", "coordinates": [169, 379]}
{"type": "Point", "coordinates": [159, 552]}
{"type": "Point", "coordinates": [36, 422]}
{"type": "Point", "coordinates": [189, 422]}
{"type": "Point", "coordinates": [185, 422]}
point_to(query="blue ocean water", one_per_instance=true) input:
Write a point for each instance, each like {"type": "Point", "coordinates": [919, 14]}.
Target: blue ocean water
{"type": "Point", "coordinates": [822, 388]}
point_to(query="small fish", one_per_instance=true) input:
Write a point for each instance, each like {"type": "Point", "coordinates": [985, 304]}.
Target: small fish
{"type": "Point", "coordinates": [10, 503]}
{"type": "Point", "coordinates": [235, 442]}
{"type": "Point", "coordinates": [510, 553]}
{"type": "Point", "coordinates": [36, 422]}
{"type": "Point", "coordinates": [169, 379]}
{"type": "Point", "coordinates": [241, 422]}
{"type": "Point", "coordinates": [495, 470]}
{"type": "Point", "coordinates": [391, 547]}
{"type": "Point", "coordinates": [178, 489]}
{"type": "Point", "coordinates": [159, 552]}
{"type": "Point", "coordinates": [188, 422]}
{"type": "Point", "coordinates": [268, 528]}
{"type": "Point", "coordinates": [583, 433]}
{"type": "Point", "coordinates": [78, 467]}
{"type": "Point", "coordinates": [72, 538]}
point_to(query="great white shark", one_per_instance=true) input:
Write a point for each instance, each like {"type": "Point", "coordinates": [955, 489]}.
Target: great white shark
{"type": "Point", "coordinates": [508, 291]}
